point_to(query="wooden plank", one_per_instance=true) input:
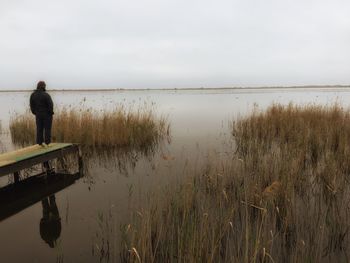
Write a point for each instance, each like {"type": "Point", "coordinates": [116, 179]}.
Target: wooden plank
{"type": "Point", "coordinates": [6, 162]}
{"type": "Point", "coordinates": [28, 152]}
{"type": "Point", "coordinates": [25, 158]}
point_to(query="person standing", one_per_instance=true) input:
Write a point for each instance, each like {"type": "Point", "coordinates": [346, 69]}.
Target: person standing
{"type": "Point", "coordinates": [41, 106]}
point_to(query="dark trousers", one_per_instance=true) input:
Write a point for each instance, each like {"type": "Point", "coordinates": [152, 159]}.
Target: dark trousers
{"type": "Point", "coordinates": [43, 125]}
{"type": "Point", "coordinates": [50, 224]}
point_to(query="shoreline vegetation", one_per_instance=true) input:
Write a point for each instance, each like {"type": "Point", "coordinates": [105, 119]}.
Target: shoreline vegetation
{"type": "Point", "coordinates": [283, 194]}
{"type": "Point", "coordinates": [188, 89]}
{"type": "Point", "coordinates": [137, 128]}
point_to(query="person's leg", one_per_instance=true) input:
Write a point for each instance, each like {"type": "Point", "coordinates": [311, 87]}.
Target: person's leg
{"type": "Point", "coordinates": [39, 130]}
{"type": "Point", "coordinates": [46, 208]}
{"type": "Point", "coordinates": [47, 127]}
{"type": "Point", "coordinates": [53, 207]}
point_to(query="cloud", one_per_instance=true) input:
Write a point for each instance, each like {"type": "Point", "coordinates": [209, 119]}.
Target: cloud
{"type": "Point", "coordinates": [157, 43]}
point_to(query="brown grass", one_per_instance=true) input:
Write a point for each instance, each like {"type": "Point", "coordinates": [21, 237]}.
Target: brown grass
{"type": "Point", "coordinates": [284, 196]}
{"type": "Point", "coordinates": [137, 128]}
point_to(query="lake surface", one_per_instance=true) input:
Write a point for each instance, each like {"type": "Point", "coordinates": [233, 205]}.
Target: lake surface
{"type": "Point", "coordinates": [92, 209]}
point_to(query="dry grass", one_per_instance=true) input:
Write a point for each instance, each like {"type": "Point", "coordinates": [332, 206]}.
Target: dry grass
{"type": "Point", "coordinates": [137, 128]}
{"type": "Point", "coordinates": [283, 196]}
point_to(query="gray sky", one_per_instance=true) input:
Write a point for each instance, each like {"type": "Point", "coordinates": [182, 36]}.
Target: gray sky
{"type": "Point", "coordinates": [173, 43]}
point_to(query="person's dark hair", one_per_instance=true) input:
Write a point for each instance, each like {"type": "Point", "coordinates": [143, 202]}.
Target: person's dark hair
{"type": "Point", "coordinates": [41, 85]}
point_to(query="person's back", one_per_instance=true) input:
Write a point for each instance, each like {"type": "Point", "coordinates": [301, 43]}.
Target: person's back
{"type": "Point", "coordinates": [41, 103]}
{"type": "Point", "coordinates": [41, 106]}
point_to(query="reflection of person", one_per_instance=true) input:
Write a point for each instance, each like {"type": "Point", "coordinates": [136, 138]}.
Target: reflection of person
{"type": "Point", "coordinates": [41, 106]}
{"type": "Point", "coordinates": [50, 224]}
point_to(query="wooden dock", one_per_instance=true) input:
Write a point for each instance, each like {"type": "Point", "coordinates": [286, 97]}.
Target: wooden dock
{"type": "Point", "coordinates": [15, 161]}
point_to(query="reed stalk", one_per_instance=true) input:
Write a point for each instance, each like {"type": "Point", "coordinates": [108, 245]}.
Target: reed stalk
{"type": "Point", "coordinates": [283, 196]}
{"type": "Point", "coordinates": [122, 127]}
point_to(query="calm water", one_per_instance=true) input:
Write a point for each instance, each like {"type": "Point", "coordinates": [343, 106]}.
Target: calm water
{"type": "Point", "coordinates": [92, 208]}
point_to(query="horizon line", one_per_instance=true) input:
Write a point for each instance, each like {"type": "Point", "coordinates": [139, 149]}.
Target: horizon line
{"type": "Point", "coordinates": [177, 89]}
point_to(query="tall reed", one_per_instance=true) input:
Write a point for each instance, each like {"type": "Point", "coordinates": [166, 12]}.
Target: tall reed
{"type": "Point", "coordinates": [122, 127]}
{"type": "Point", "coordinates": [283, 196]}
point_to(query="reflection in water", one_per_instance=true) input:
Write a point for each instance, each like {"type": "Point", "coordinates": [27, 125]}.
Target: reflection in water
{"type": "Point", "coordinates": [121, 159]}
{"type": "Point", "coordinates": [50, 224]}
{"type": "Point", "coordinates": [124, 160]}
{"type": "Point", "coordinates": [16, 197]}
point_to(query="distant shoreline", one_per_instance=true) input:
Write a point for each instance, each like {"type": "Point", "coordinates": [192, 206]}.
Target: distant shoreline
{"type": "Point", "coordinates": [194, 89]}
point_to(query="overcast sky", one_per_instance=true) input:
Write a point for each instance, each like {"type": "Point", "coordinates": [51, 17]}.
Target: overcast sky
{"type": "Point", "coordinates": [173, 43]}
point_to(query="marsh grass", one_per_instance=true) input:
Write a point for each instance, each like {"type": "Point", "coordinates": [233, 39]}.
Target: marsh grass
{"type": "Point", "coordinates": [123, 127]}
{"type": "Point", "coordinates": [284, 196]}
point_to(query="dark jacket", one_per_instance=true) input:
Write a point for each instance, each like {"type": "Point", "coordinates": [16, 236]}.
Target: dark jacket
{"type": "Point", "coordinates": [41, 103]}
